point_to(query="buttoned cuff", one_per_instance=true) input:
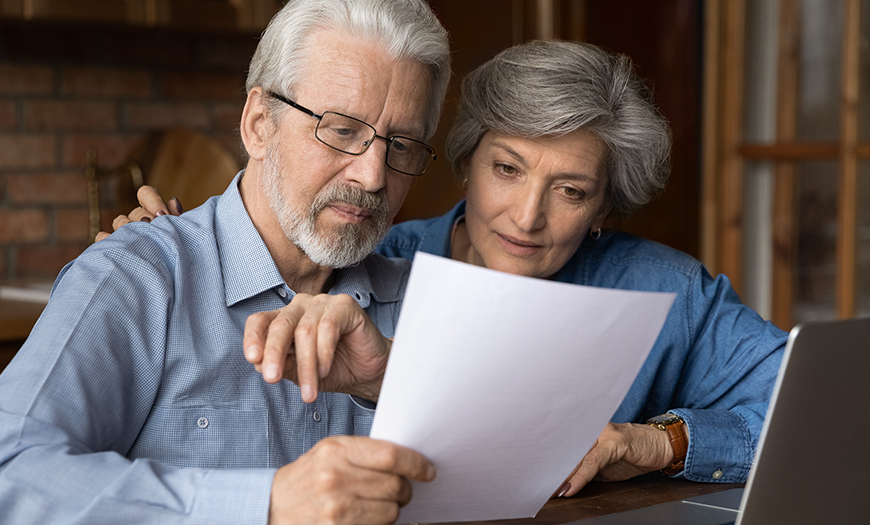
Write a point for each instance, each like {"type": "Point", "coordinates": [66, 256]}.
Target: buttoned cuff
{"type": "Point", "coordinates": [720, 446]}
{"type": "Point", "coordinates": [234, 496]}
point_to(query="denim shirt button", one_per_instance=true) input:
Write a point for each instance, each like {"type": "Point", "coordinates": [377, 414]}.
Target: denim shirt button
{"type": "Point", "coordinates": [317, 416]}
{"type": "Point", "coordinates": [717, 474]}
{"type": "Point", "coordinates": [282, 292]}
{"type": "Point", "coordinates": [202, 422]}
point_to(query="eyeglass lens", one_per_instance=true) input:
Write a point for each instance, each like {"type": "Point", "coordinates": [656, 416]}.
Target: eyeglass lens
{"type": "Point", "coordinates": [354, 136]}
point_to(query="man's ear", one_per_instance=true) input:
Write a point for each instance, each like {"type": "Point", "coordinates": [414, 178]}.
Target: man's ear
{"type": "Point", "coordinates": [256, 126]}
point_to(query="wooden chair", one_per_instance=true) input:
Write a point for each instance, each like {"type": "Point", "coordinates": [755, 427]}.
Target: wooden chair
{"type": "Point", "coordinates": [179, 162]}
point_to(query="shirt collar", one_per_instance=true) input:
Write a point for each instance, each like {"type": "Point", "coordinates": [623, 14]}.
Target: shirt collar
{"type": "Point", "coordinates": [246, 264]}
{"type": "Point", "coordinates": [436, 237]}
{"type": "Point", "coordinates": [248, 268]}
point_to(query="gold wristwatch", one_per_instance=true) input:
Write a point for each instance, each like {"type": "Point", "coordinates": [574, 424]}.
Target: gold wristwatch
{"type": "Point", "coordinates": [676, 429]}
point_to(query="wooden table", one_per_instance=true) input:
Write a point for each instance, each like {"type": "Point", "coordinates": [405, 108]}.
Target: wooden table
{"type": "Point", "coordinates": [598, 499]}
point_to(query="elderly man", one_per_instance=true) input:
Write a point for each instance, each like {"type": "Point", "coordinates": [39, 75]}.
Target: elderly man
{"type": "Point", "coordinates": [132, 400]}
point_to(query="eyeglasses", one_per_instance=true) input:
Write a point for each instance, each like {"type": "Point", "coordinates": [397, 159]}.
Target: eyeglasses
{"type": "Point", "coordinates": [353, 136]}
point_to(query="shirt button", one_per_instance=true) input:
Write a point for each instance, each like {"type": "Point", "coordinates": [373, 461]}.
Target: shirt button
{"type": "Point", "coordinates": [317, 416]}
{"type": "Point", "coordinates": [202, 422]}
{"type": "Point", "coordinates": [282, 292]}
{"type": "Point", "coordinates": [717, 474]}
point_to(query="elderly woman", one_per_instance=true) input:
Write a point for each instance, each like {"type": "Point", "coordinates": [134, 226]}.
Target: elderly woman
{"type": "Point", "coordinates": [551, 139]}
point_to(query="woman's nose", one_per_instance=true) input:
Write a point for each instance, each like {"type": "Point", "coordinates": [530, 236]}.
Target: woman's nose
{"type": "Point", "coordinates": [528, 211]}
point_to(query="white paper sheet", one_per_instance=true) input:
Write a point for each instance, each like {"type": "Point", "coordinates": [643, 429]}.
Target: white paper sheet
{"type": "Point", "coordinates": [505, 382]}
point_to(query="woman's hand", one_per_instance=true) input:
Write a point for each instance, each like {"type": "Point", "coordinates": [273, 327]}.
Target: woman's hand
{"type": "Point", "coordinates": [622, 451]}
{"type": "Point", "coordinates": [151, 205]}
{"type": "Point", "coordinates": [324, 342]}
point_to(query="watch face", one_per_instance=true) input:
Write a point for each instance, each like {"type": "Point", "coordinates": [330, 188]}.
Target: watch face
{"type": "Point", "coordinates": [664, 419]}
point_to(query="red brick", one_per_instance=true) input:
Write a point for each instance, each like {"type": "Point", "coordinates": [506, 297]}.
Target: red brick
{"type": "Point", "coordinates": [17, 79]}
{"type": "Point", "coordinates": [20, 226]}
{"type": "Point", "coordinates": [71, 224]}
{"type": "Point", "coordinates": [227, 115]}
{"type": "Point", "coordinates": [27, 151]}
{"type": "Point", "coordinates": [66, 188]}
{"type": "Point", "coordinates": [106, 82]}
{"type": "Point", "coordinates": [70, 115]}
{"type": "Point", "coordinates": [208, 85]}
{"type": "Point", "coordinates": [8, 119]}
{"type": "Point", "coordinates": [162, 115]}
{"type": "Point", "coordinates": [44, 262]}
{"type": "Point", "coordinates": [111, 148]}
{"type": "Point", "coordinates": [227, 52]}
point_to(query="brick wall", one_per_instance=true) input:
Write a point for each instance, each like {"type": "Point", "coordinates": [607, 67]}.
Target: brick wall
{"type": "Point", "coordinates": [67, 88]}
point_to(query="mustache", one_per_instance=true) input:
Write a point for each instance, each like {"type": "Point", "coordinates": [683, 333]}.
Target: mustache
{"type": "Point", "coordinates": [376, 203]}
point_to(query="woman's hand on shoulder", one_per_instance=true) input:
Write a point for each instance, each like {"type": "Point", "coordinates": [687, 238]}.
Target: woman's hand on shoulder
{"type": "Point", "coordinates": [151, 205]}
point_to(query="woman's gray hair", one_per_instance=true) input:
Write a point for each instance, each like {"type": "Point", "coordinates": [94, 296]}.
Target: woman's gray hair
{"type": "Point", "coordinates": [553, 88]}
{"type": "Point", "coordinates": [406, 28]}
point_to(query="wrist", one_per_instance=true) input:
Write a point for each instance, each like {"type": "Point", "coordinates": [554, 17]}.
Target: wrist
{"type": "Point", "coordinates": [371, 390]}
{"type": "Point", "coordinates": [675, 428]}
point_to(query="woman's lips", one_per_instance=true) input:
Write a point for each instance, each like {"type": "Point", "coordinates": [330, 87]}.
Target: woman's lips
{"type": "Point", "coordinates": [517, 246]}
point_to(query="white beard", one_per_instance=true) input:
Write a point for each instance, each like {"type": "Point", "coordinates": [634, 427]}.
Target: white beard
{"type": "Point", "coordinates": [342, 246]}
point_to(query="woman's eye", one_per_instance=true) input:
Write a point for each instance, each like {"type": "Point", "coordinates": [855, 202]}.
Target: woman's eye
{"type": "Point", "coordinates": [572, 192]}
{"type": "Point", "coordinates": [506, 168]}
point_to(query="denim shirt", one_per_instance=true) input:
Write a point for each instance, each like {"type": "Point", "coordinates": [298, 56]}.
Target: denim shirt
{"type": "Point", "coordinates": [131, 401]}
{"type": "Point", "coordinates": [715, 361]}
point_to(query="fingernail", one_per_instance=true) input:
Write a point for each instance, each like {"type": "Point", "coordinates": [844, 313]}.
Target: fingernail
{"type": "Point", "coordinates": [178, 205]}
{"type": "Point", "coordinates": [430, 472]}
{"type": "Point", "coordinates": [307, 392]}
{"type": "Point", "coordinates": [160, 213]}
{"type": "Point", "coordinates": [251, 352]}
{"type": "Point", "coordinates": [145, 219]}
{"type": "Point", "coordinates": [322, 371]}
{"type": "Point", "coordinates": [271, 372]}
{"type": "Point", "coordinates": [563, 489]}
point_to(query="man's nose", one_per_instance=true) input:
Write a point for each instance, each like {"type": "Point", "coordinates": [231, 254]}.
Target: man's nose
{"type": "Point", "coordinates": [369, 169]}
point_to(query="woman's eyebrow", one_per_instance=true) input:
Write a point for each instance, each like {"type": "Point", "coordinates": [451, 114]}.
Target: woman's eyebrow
{"type": "Point", "coordinates": [509, 150]}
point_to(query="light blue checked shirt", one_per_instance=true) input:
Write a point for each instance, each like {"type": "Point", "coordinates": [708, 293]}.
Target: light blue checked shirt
{"type": "Point", "coordinates": [131, 401]}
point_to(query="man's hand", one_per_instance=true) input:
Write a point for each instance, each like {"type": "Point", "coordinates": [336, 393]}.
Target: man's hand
{"type": "Point", "coordinates": [347, 480]}
{"type": "Point", "coordinates": [622, 451]}
{"type": "Point", "coordinates": [151, 205]}
{"type": "Point", "coordinates": [324, 342]}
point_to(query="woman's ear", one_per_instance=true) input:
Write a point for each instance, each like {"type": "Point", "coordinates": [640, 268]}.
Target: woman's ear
{"type": "Point", "coordinates": [256, 126]}
{"type": "Point", "coordinates": [598, 222]}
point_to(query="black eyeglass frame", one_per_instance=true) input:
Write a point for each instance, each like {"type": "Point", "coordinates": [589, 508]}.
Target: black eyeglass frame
{"type": "Point", "coordinates": [388, 140]}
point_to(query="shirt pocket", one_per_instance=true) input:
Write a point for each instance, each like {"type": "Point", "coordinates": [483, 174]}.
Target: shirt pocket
{"type": "Point", "coordinates": [205, 437]}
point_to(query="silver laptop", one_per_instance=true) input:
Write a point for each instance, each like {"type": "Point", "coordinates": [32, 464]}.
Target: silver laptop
{"type": "Point", "coordinates": [813, 460]}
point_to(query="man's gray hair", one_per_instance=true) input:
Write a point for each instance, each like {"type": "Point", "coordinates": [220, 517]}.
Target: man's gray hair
{"type": "Point", "coordinates": [553, 88]}
{"type": "Point", "coordinates": [406, 28]}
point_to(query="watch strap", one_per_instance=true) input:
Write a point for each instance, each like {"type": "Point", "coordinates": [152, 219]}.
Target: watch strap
{"type": "Point", "coordinates": [675, 427]}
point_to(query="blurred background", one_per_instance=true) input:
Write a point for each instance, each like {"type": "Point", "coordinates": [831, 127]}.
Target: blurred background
{"type": "Point", "coordinates": [767, 100]}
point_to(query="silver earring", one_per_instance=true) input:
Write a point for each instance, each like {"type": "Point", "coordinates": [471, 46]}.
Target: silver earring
{"type": "Point", "coordinates": [595, 235]}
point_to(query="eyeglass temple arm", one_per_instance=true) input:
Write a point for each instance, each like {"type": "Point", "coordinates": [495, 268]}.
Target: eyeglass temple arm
{"type": "Point", "coordinates": [289, 102]}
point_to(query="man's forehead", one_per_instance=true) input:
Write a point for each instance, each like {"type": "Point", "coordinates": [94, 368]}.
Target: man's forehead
{"type": "Point", "coordinates": [360, 79]}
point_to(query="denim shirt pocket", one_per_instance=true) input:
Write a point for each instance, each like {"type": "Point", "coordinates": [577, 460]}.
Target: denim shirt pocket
{"type": "Point", "coordinates": [205, 437]}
